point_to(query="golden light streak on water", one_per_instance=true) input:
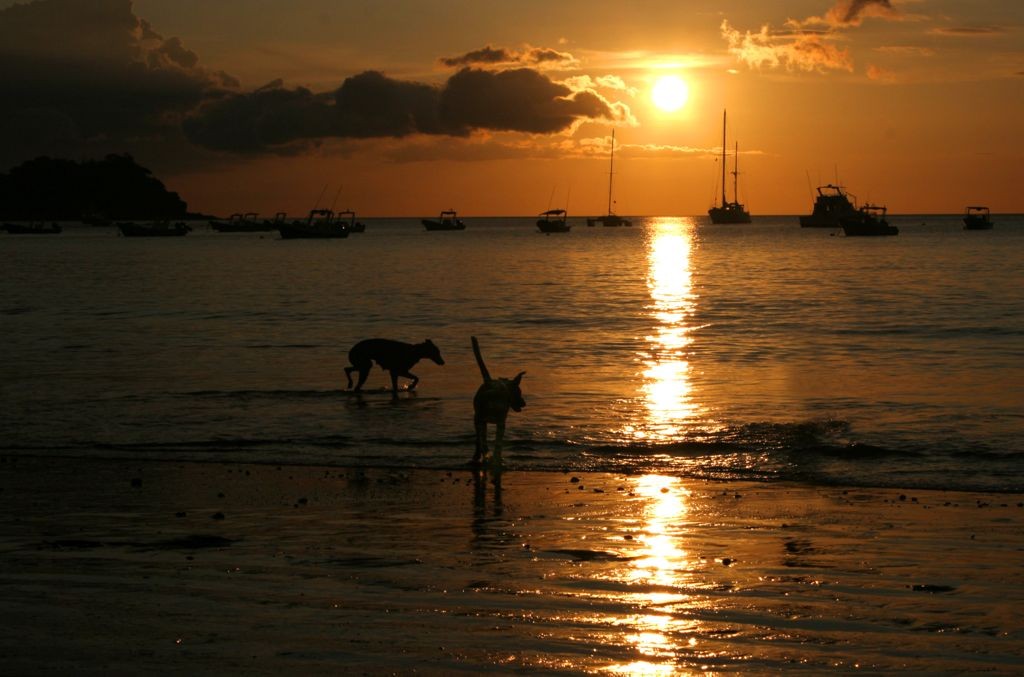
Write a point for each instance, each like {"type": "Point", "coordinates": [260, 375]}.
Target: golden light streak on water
{"type": "Point", "coordinates": [660, 564]}
{"type": "Point", "coordinates": [667, 389]}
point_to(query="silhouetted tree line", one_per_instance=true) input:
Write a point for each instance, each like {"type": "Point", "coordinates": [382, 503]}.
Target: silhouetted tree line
{"type": "Point", "coordinates": [115, 188]}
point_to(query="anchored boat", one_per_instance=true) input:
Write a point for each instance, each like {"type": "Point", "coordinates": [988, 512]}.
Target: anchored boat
{"type": "Point", "coordinates": [832, 204]}
{"type": "Point", "coordinates": [242, 223]}
{"type": "Point", "coordinates": [448, 220]}
{"type": "Point", "coordinates": [730, 212]}
{"type": "Point", "coordinates": [977, 218]}
{"type": "Point", "coordinates": [554, 221]}
{"type": "Point", "coordinates": [610, 220]}
{"type": "Point", "coordinates": [319, 225]}
{"type": "Point", "coordinates": [868, 221]}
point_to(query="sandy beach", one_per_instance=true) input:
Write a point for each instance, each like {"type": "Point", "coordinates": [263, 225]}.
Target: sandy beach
{"type": "Point", "coordinates": [118, 567]}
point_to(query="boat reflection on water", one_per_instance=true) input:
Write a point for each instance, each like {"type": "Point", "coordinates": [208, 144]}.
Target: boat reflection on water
{"type": "Point", "coordinates": [667, 390]}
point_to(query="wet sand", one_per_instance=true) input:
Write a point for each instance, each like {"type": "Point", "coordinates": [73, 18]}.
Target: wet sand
{"type": "Point", "coordinates": [119, 567]}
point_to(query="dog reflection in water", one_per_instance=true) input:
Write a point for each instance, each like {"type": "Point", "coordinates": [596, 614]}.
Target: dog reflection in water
{"type": "Point", "coordinates": [394, 356]}
{"type": "Point", "coordinates": [491, 404]}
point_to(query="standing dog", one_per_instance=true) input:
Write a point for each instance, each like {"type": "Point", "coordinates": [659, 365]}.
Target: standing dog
{"type": "Point", "coordinates": [491, 403]}
{"type": "Point", "coordinates": [395, 356]}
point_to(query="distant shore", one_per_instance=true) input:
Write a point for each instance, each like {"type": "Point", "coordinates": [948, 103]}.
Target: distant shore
{"type": "Point", "coordinates": [207, 568]}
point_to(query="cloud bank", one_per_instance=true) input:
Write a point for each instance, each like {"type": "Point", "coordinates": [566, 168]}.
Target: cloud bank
{"type": "Point", "coordinates": [81, 77]}
{"type": "Point", "coordinates": [71, 71]}
{"type": "Point", "coordinates": [371, 104]}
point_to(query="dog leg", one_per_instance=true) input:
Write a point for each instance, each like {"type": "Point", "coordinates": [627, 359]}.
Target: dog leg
{"type": "Point", "coordinates": [415, 379]}
{"type": "Point", "coordinates": [363, 373]}
{"type": "Point", "coordinates": [481, 442]}
{"type": "Point", "coordinates": [499, 437]}
{"type": "Point", "coordinates": [348, 375]}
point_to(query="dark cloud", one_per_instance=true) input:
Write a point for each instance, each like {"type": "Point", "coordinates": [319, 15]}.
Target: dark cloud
{"type": "Point", "coordinates": [269, 116]}
{"type": "Point", "coordinates": [73, 74]}
{"type": "Point", "coordinates": [852, 12]}
{"type": "Point", "coordinates": [485, 57]}
{"type": "Point", "coordinates": [518, 100]}
{"type": "Point", "coordinates": [370, 104]}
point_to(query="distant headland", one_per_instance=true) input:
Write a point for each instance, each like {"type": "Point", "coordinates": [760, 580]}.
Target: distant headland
{"type": "Point", "coordinates": [115, 187]}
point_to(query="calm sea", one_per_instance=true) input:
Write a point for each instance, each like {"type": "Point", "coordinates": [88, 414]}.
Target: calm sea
{"type": "Point", "coordinates": [761, 351]}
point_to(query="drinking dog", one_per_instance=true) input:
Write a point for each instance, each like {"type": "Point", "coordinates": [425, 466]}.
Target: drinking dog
{"type": "Point", "coordinates": [491, 404]}
{"type": "Point", "coordinates": [394, 356]}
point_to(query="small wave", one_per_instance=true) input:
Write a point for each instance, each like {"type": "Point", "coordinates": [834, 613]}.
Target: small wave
{"type": "Point", "coordinates": [271, 394]}
{"type": "Point", "coordinates": [852, 451]}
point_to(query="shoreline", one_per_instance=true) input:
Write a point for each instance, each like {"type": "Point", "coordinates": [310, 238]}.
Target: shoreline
{"type": "Point", "coordinates": [1011, 494]}
{"type": "Point", "coordinates": [172, 566]}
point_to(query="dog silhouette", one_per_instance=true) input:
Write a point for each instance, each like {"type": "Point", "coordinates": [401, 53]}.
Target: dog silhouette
{"type": "Point", "coordinates": [491, 404]}
{"type": "Point", "coordinates": [394, 356]}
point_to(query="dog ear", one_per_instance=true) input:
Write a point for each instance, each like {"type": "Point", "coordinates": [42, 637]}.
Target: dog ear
{"type": "Point", "coordinates": [519, 377]}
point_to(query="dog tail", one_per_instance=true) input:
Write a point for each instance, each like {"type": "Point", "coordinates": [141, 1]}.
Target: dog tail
{"type": "Point", "coordinates": [480, 360]}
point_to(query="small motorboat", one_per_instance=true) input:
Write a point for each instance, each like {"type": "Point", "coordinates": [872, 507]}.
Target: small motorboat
{"type": "Point", "coordinates": [868, 221]}
{"type": "Point", "coordinates": [243, 223]}
{"type": "Point", "coordinates": [349, 217]}
{"type": "Point", "coordinates": [554, 221]}
{"type": "Point", "coordinates": [320, 224]}
{"type": "Point", "coordinates": [977, 218]}
{"type": "Point", "coordinates": [448, 220]}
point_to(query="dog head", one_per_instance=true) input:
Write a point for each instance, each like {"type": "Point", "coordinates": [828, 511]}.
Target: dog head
{"type": "Point", "coordinates": [516, 402]}
{"type": "Point", "coordinates": [431, 352]}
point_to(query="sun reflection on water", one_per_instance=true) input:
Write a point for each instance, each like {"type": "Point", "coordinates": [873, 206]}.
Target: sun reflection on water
{"type": "Point", "coordinates": [659, 568]}
{"type": "Point", "coordinates": [667, 389]}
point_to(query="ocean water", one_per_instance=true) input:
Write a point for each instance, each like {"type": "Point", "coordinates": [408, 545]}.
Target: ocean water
{"type": "Point", "coordinates": [761, 351]}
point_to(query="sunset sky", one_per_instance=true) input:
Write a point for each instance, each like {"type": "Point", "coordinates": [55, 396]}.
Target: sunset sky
{"type": "Point", "coordinates": [507, 107]}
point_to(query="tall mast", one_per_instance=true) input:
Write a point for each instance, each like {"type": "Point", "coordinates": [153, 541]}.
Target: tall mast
{"type": "Point", "coordinates": [736, 174]}
{"type": "Point", "coordinates": [723, 158]}
{"type": "Point", "coordinates": [611, 171]}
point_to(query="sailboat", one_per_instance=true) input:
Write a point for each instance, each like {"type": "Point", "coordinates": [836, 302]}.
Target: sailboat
{"type": "Point", "coordinates": [610, 220]}
{"type": "Point", "coordinates": [729, 212]}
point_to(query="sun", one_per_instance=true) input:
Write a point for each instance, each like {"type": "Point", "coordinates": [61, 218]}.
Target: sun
{"type": "Point", "coordinates": [670, 93]}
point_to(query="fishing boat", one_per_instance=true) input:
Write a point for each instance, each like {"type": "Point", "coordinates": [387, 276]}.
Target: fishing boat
{"type": "Point", "coordinates": [448, 220]}
{"type": "Point", "coordinates": [868, 221]}
{"type": "Point", "coordinates": [610, 219]}
{"type": "Point", "coordinates": [730, 212]}
{"type": "Point", "coordinates": [163, 228]}
{"type": "Point", "coordinates": [831, 204]}
{"type": "Point", "coordinates": [34, 228]}
{"type": "Point", "coordinates": [349, 218]}
{"type": "Point", "coordinates": [977, 218]}
{"type": "Point", "coordinates": [242, 223]}
{"type": "Point", "coordinates": [320, 224]}
{"type": "Point", "coordinates": [553, 221]}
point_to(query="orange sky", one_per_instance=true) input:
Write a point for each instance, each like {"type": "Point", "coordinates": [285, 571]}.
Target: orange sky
{"type": "Point", "coordinates": [916, 104]}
